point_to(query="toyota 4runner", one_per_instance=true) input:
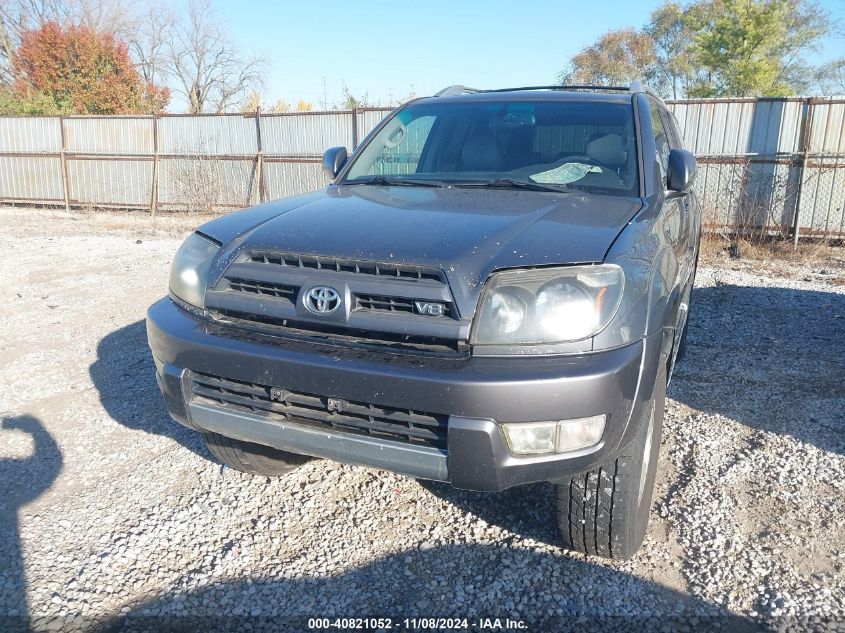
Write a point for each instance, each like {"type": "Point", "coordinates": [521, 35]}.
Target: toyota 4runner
{"type": "Point", "coordinates": [492, 291]}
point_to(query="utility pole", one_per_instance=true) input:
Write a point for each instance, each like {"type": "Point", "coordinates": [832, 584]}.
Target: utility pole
{"type": "Point", "coordinates": [325, 95]}
{"type": "Point", "coordinates": [390, 97]}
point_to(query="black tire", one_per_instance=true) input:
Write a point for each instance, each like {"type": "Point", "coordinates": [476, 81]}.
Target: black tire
{"type": "Point", "coordinates": [254, 459]}
{"type": "Point", "coordinates": [605, 511]}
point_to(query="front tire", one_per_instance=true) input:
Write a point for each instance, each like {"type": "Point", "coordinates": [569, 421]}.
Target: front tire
{"type": "Point", "coordinates": [605, 511]}
{"type": "Point", "coordinates": [254, 459]}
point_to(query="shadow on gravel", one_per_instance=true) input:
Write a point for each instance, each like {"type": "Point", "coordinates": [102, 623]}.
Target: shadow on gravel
{"type": "Point", "coordinates": [22, 480]}
{"type": "Point", "coordinates": [125, 377]}
{"type": "Point", "coordinates": [770, 358]}
{"type": "Point", "coordinates": [526, 511]}
{"type": "Point", "coordinates": [549, 592]}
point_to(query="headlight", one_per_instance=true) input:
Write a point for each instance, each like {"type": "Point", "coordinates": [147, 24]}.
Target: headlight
{"type": "Point", "coordinates": [549, 305]}
{"type": "Point", "coordinates": [189, 272]}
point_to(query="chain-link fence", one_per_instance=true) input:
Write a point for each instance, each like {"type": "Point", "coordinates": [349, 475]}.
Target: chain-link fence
{"type": "Point", "coordinates": [766, 165]}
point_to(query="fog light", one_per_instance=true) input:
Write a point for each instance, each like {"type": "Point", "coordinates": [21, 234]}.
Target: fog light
{"type": "Point", "coordinates": [531, 438]}
{"type": "Point", "coordinates": [579, 433]}
{"type": "Point", "coordinates": [563, 436]}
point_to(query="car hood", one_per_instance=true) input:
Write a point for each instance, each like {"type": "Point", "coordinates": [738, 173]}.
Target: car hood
{"type": "Point", "coordinates": [466, 232]}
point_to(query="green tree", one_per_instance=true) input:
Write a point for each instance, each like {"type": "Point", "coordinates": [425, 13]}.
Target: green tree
{"type": "Point", "coordinates": [618, 57]}
{"type": "Point", "coordinates": [755, 48]}
{"type": "Point", "coordinates": [32, 103]}
{"type": "Point", "coordinates": [670, 29]}
{"type": "Point", "coordinates": [713, 48]}
{"type": "Point", "coordinates": [350, 101]}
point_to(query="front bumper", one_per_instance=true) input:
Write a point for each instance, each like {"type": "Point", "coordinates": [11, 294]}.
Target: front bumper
{"type": "Point", "coordinates": [476, 393]}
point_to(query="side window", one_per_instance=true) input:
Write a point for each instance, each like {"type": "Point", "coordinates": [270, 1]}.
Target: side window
{"type": "Point", "coordinates": [661, 140]}
{"type": "Point", "coordinates": [671, 124]}
{"type": "Point", "coordinates": [402, 149]}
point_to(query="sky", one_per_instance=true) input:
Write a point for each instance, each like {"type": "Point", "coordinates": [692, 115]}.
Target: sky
{"type": "Point", "coordinates": [389, 49]}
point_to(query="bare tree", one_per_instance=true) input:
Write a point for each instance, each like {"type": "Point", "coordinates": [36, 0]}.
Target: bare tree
{"type": "Point", "coordinates": [206, 67]}
{"type": "Point", "coordinates": [830, 77]}
{"type": "Point", "coordinates": [105, 16]}
{"type": "Point", "coordinates": [148, 39]}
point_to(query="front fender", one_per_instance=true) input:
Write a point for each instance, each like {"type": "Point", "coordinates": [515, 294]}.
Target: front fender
{"type": "Point", "coordinates": [648, 261]}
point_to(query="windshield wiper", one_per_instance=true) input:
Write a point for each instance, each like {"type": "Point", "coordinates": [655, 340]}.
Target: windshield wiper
{"type": "Point", "coordinates": [384, 181]}
{"type": "Point", "coordinates": [510, 183]}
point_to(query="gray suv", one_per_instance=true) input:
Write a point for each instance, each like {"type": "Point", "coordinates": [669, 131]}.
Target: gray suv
{"type": "Point", "coordinates": [493, 291]}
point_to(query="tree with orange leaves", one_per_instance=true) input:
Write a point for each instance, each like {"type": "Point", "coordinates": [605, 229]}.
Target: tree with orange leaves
{"type": "Point", "coordinates": [80, 71]}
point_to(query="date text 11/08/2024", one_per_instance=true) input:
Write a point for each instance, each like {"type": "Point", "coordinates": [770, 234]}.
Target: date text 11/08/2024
{"type": "Point", "coordinates": [417, 624]}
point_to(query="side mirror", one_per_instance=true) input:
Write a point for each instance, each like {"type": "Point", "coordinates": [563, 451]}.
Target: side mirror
{"type": "Point", "coordinates": [681, 170]}
{"type": "Point", "coordinates": [333, 161]}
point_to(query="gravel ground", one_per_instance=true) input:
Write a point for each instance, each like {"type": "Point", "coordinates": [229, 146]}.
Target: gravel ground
{"type": "Point", "coordinates": [111, 515]}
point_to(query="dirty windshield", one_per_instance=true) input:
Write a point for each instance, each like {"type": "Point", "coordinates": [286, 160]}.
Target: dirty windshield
{"type": "Point", "coordinates": [543, 145]}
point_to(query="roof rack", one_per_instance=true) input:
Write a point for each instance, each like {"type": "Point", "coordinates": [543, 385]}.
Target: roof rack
{"type": "Point", "coordinates": [453, 91]}
{"type": "Point", "coordinates": [558, 87]}
{"type": "Point", "coordinates": [634, 87]}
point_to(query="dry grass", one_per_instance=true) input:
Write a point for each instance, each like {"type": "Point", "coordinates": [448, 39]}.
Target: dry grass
{"type": "Point", "coordinates": [815, 252]}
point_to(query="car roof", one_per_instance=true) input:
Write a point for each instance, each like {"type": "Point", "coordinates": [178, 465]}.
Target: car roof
{"type": "Point", "coordinates": [533, 95]}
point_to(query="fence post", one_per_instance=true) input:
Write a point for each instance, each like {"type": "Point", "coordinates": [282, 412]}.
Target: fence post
{"type": "Point", "coordinates": [805, 154]}
{"type": "Point", "coordinates": [65, 184]}
{"type": "Point", "coordinates": [154, 195]}
{"type": "Point", "coordinates": [354, 128]}
{"type": "Point", "coordinates": [259, 156]}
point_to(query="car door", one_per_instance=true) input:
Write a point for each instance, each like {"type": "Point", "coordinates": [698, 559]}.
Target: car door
{"type": "Point", "coordinates": [691, 210]}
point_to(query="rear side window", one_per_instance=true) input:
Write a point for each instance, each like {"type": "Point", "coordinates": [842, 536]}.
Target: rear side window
{"type": "Point", "coordinates": [661, 140]}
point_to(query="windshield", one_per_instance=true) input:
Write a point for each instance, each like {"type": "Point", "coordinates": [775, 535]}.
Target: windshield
{"type": "Point", "coordinates": [585, 146]}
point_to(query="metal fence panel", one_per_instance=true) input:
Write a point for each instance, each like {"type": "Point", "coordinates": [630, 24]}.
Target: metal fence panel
{"type": "Point", "coordinates": [828, 128]}
{"type": "Point", "coordinates": [730, 127]}
{"type": "Point", "coordinates": [35, 179]}
{"type": "Point", "coordinates": [305, 134]}
{"type": "Point", "coordinates": [104, 135]}
{"type": "Point", "coordinates": [288, 178]}
{"type": "Point", "coordinates": [30, 134]}
{"type": "Point", "coordinates": [196, 185]}
{"type": "Point", "coordinates": [203, 135]}
{"type": "Point", "coordinates": [821, 208]}
{"type": "Point", "coordinates": [104, 182]}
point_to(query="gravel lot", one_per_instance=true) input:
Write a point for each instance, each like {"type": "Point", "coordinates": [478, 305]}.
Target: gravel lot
{"type": "Point", "coordinates": [112, 515]}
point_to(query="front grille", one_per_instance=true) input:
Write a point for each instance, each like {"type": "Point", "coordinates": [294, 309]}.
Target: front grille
{"type": "Point", "coordinates": [333, 264]}
{"type": "Point", "coordinates": [382, 303]}
{"type": "Point", "coordinates": [368, 302]}
{"type": "Point", "coordinates": [276, 403]}
{"type": "Point", "coordinates": [400, 308]}
{"type": "Point", "coordinates": [283, 291]}
{"type": "Point", "coordinates": [426, 345]}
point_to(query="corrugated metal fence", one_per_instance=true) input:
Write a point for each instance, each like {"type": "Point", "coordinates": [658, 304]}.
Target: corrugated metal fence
{"type": "Point", "coordinates": [771, 163]}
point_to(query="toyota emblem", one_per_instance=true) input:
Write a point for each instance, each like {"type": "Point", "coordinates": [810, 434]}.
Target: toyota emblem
{"type": "Point", "coordinates": [322, 300]}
